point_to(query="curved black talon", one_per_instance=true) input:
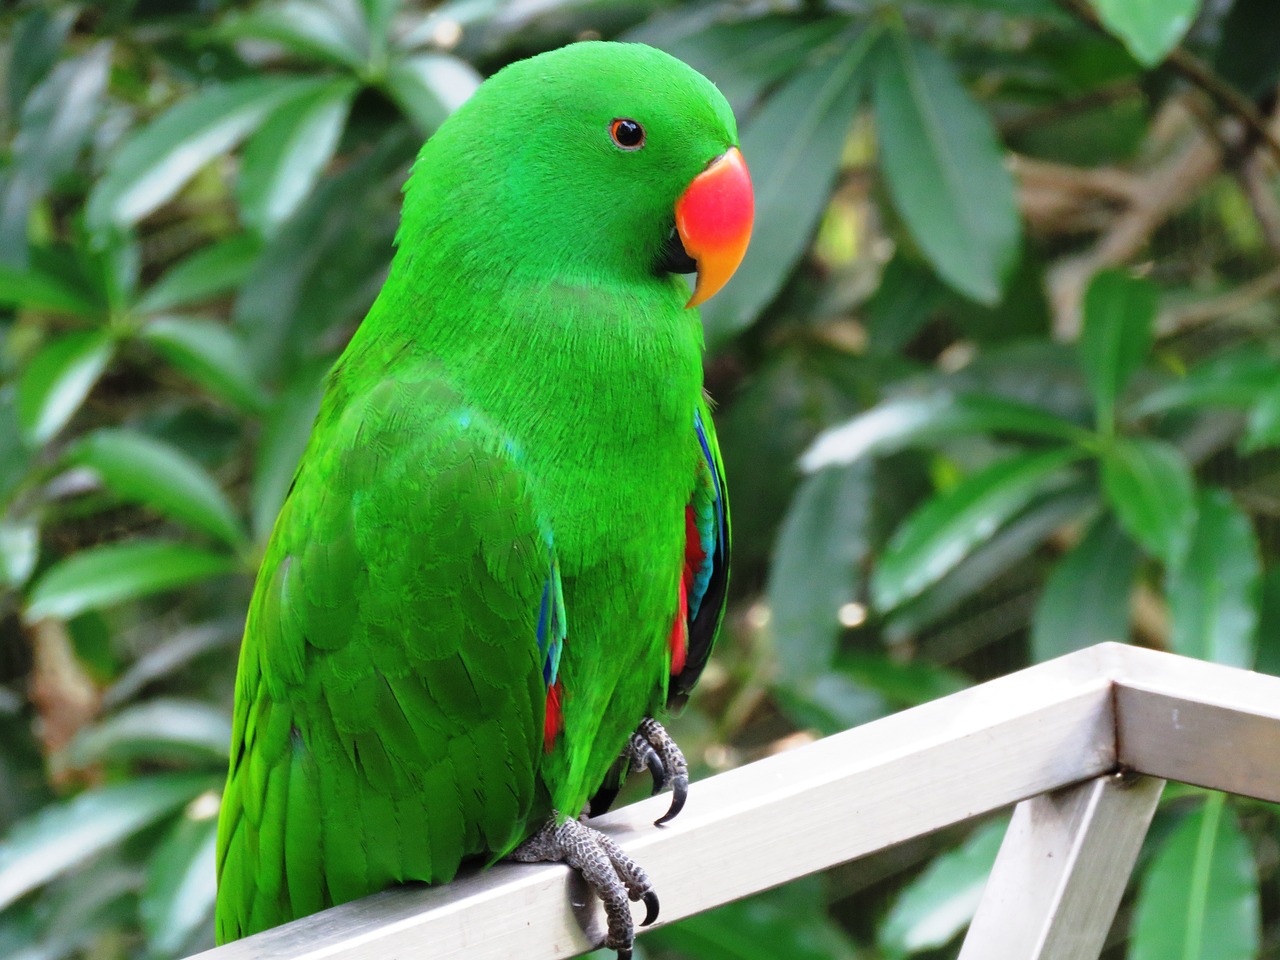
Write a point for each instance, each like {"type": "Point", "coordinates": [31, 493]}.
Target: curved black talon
{"type": "Point", "coordinates": [679, 794]}
{"type": "Point", "coordinates": [650, 908]}
{"type": "Point", "coordinates": [649, 760]}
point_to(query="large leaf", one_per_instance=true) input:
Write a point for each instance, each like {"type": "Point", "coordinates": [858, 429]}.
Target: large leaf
{"type": "Point", "coordinates": [33, 288]}
{"type": "Point", "coordinates": [33, 48]}
{"type": "Point", "coordinates": [58, 379]}
{"type": "Point", "coordinates": [793, 145]}
{"type": "Point", "coordinates": [1199, 895]}
{"type": "Point", "coordinates": [62, 835]}
{"type": "Point", "coordinates": [286, 429]}
{"type": "Point", "coordinates": [430, 86]}
{"type": "Point", "coordinates": [940, 534]}
{"type": "Point", "coordinates": [1213, 591]}
{"type": "Point", "coordinates": [932, 910]}
{"type": "Point", "coordinates": [816, 567]}
{"type": "Point", "coordinates": [1149, 28]}
{"type": "Point", "coordinates": [1086, 599]}
{"type": "Point", "coordinates": [181, 885]}
{"type": "Point", "coordinates": [945, 169]}
{"type": "Point", "coordinates": [161, 730]}
{"type": "Point", "coordinates": [209, 272]}
{"type": "Point", "coordinates": [328, 30]}
{"type": "Point", "coordinates": [911, 420]}
{"type": "Point", "coordinates": [144, 470]}
{"type": "Point", "coordinates": [210, 353]}
{"type": "Point", "coordinates": [101, 576]}
{"type": "Point", "coordinates": [1149, 485]}
{"type": "Point", "coordinates": [1119, 314]}
{"type": "Point", "coordinates": [283, 160]}
{"type": "Point", "coordinates": [1233, 378]}
{"type": "Point", "coordinates": [158, 159]}
{"type": "Point", "coordinates": [904, 301]}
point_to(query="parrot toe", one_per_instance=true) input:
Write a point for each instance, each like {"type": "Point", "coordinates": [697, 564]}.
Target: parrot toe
{"type": "Point", "coordinates": [612, 875]}
{"type": "Point", "coordinates": [652, 748]}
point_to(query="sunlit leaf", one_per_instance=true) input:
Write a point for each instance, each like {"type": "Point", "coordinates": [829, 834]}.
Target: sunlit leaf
{"type": "Point", "coordinates": [209, 272]}
{"type": "Point", "coordinates": [1119, 314]}
{"type": "Point", "coordinates": [947, 527]}
{"type": "Point", "coordinates": [1199, 897]}
{"type": "Point", "coordinates": [159, 158]}
{"type": "Point", "coordinates": [181, 885]}
{"type": "Point", "coordinates": [944, 168]}
{"type": "Point", "coordinates": [328, 31]}
{"type": "Point", "coordinates": [115, 573]}
{"type": "Point", "coordinates": [144, 470]}
{"type": "Point", "coordinates": [58, 379]}
{"type": "Point", "coordinates": [211, 354]}
{"type": "Point", "coordinates": [1213, 590]}
{"type": "Point", "coordinates": [36, 39]}
{"type": "Point", "coordinates": [1149, 485]}
{"type": "Point", "coordinates": [911, 420]}
{"type": "Point", "coordinates": [1263, 428]}
{"type": "Point", "coordinates": [1086, 599]}
{"type": "Point", "coordinates": [19, 549]}
{"type": "Point", "coordinates": [62, 835]}
{"type": "Point", "coordinates": [1149, 28]}
{"type": "Point", "coordinates": [283, 160]}
{"type": "Point", "coordinates": [935, 907]}
{"type": "Point", "coordinates": [159, 730]}
{"type": "Point", "coordinates": [430, 86]}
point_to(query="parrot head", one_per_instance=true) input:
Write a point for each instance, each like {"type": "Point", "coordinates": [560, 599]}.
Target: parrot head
{"type": "Point", "coordinates": [597, 164]}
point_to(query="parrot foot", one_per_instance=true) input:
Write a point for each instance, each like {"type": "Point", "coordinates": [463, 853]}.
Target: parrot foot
{"type": "Point", "coordinates": [651, 748]}
{"type": "Point", "coordinates": [611, 874]}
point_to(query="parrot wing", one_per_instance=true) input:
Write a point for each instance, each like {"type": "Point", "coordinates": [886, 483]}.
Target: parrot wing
{"type": "Point", "coordinates": [401, 645]}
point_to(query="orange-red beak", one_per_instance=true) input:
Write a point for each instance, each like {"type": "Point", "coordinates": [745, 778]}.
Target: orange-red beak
{"type": "Point", "coordinates": [713, 218]}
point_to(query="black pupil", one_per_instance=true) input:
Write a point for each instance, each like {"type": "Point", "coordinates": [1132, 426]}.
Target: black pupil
{"type": "Point", "coordinates": [628, 133]}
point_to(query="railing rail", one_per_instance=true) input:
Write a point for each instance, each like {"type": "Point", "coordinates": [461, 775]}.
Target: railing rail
{"type": "Point", "coordinates": [1086, 741]}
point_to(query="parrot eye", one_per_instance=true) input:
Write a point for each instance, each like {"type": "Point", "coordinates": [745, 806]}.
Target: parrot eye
{"type": "Point", "coordinates": [627, 134]}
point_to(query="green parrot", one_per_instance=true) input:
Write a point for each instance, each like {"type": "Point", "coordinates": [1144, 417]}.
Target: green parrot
{"type": "Point", "coordinates": [505, 548]}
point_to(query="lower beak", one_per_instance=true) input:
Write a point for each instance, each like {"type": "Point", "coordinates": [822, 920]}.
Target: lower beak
{"type": "Point", "coordinates": [713, 218]}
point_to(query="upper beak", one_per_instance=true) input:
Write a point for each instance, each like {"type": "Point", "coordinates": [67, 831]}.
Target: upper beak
{"type": "Point", "coordinates": [713, 218]}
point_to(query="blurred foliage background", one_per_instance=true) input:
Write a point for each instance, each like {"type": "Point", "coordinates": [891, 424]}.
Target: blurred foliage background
{"type": "Point", "coordinates": [997, 381]}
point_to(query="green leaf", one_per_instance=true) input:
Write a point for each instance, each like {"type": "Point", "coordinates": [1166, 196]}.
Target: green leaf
{"type": "Point", "coordinates": [329, 31]}
{"type": "Point", "coordinates": [286, 430]}
{"type": "Point", "coordinates": [1149, 485]}
{"type": "Point", "coordinates": [209, 272]}
{"type": "Point", "coordinates": [283, 160]}
{"type": "Point", "coordinates": [181, 885]}
{"type": "Point", "coordinates": [1233, 378]}
{"type": "Point", "coordinates": [1149, 28]}
{"type": "Point", "coordinates": [904, 301]}
{"type": "Point", "coordinates": [1086, 599]}
{"type": "Point", "coordinates": [1119, 315]}
{"type": "Point", "coordinates": [1213, 591]}
{"type": "Point", "coordinates": [945, 169]}
{"type": "Point", "coordinates": [1263, 427]}
{"type": "Point", "coordinates": [932, 910]}
{"type": "Point", "coordinates": [430, 86]}
{"type": "Point", "coordinates": [158, 159]}
{"type": "Point", "coordinates": [63, 835]}
{"type": "Point", "coordinates": [1199, 896]}
{"type": "Point", "coordinates": [209, 353]}
{"type": "Point", "coordinates": [793, 144]}
{"type": "Point", "coordinates": [162, 730]}
{"type": "Point", "coordinates": [941, 533]}
{"type": "Point", "coordinates": [816, 567]}
{"type": "Point", "coordinates": [33, 288]}
{"type": "Point", "coordinates": [906, 421]}
{"type": "Point", "coordinates": [33, 49]}
{"type": "Point", "coordinates": [1246, 54]}
{"type": "Point", "coordinates": [906, 684]}
{"type": "Point", "coordinates": [115, 573]}
{"type": "Point", "coordinates": [144, 470]}
{"type": "Point", "coordinates": [58, 379]}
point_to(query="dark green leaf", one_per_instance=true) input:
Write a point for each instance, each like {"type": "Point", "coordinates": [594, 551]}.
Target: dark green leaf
{"type": "Point", "coordinates": [816, 568]}
{"type": "Point", "coordinates": [58, 379]}
{"type": "Point", "coordinates": [35, 289]}
{"type": "Point", "coordinates": [1246, 53]}
{"type": "Point", "coordinates": [1150, 487]}
{"type": "Point", "coordinates": [1263, 429]}
{"type": "Point", "coordinates": [283, 160]}
{"type": "Point", "coordinates": [1199, 895]}
{"type": "Point", "coordinates": [912, 420]}
{"type": "Point", "coordinates": [1119, 313]}
{"type": "Point", "coordinates": [793, 145]}
{"type": "Point", "coordinates": [211, 354]}
{"type": "Point", "coordinates": [906, 298]}
{"type": "Point", "coordinates": [945, 169]}
{"type": "Point", "coordinates": [1149, 28]}
{"type": "Point", "coordinates": [1086, 599]}
{"type": "Point", "coordinates": [65, 834]}
{"type": "Point", "coordinates": [907, 684]}
{"type": "Point", "coordinates": [158, 730]}
{"type": "Point", "coordinates": [115, 573]}
{"type": "Point", "coordinates": [33, 49]}
{"type": "Point", "coordinates": [328, 31]}
{"type": "Point", "coordinates": [1235, 378]}
{"type": "Point", "coordinates": [430, 86]}
{"type": "Point", "coordinates": [209, 272]}
{"type": "Point", "coordinates": [1213, 591]}
{"type": "Point", "coordinates": [158, 159]}
{"type": "Point", "coordinates": [942, 532]}
{"type": "Point", "coordinates": [1268, 632]}
{"type": "Point", "coordinates": [932, 910]}
{"type": "Point", "coordinates": [143, 470]}
{"type": "Point", "coordinates": [181, 885]}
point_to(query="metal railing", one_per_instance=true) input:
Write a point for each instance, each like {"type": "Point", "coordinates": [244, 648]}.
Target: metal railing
{"type": "Point", "coordinates": [1081, 744]}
